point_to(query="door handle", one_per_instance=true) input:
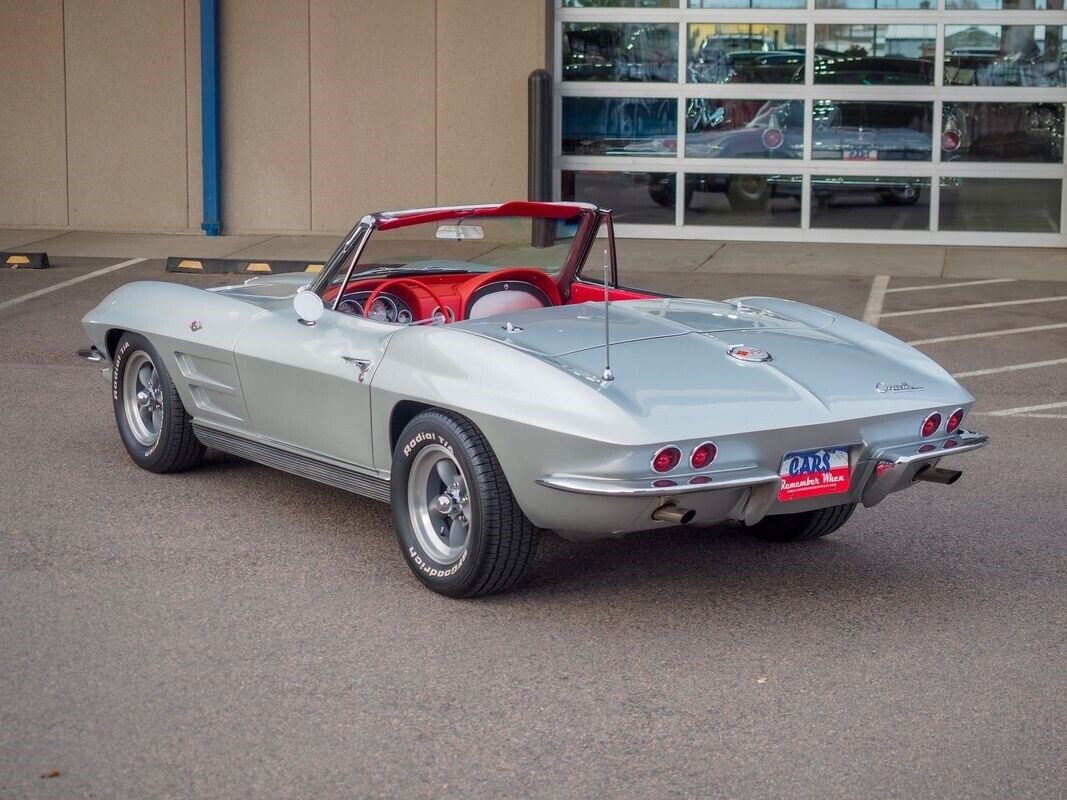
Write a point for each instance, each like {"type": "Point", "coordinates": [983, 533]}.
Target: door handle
{"type": "Point", "coordinates": [362, 363]}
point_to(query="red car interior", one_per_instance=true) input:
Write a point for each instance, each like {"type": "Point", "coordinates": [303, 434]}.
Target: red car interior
{"type": "Point", "coordinates": [456, 292]}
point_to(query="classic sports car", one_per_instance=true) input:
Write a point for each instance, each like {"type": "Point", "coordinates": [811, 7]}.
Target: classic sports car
{"type": "Point", "coordinates": [481, 369]}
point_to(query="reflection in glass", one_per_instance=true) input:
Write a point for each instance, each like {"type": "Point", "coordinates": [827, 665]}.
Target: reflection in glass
{"type": "Point", "coordinates": [899, 55]}
{"type": "Point", "coordinates": [1004, 55]}
{"type": "Point", "coordinates": [747, 3]}
{"type": "Point", "coordinates": [853, 201]}
{"type": "Point", "coordinates": [879, 4]}
{"type": "Point", "coordinates": [634, 197]}
{"type": "Point", "coordinates": [620, 3]}
{"type": "Point", "coordinates": [862, 131]}
{"type": "Point", "coordinates": [1008, 5]}
{"type": "Point", "coordinates": [717, 128]}
{"type": "Point", "coordinates": [768, 200]}
{"type": "Point", "coordinates": [743, 53]}
{"type": "Point", "coordinates": [620, 126]}
{"type": "Point", "coordinates": [1000, 204]}
{"type": "Point", "coordinates": [1002, 132]}
{"type": "Point", "coordinates": [613, 51]}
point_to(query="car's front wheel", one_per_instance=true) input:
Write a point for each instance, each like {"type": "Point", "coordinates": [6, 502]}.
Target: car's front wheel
{"type": "Point", "coordinates": [154, 426]}
{"type": "Point", "coordinates": [802, 526]}
{"type": "Point", "coordinates": [458, 524]}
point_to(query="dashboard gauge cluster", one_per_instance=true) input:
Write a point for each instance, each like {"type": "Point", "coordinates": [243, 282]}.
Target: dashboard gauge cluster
{"type": "Point", "coordinates": [386, 307]}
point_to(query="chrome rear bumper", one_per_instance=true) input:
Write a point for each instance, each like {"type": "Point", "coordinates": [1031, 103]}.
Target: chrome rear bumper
{"type": "Point", "coordinates": [900, 465]}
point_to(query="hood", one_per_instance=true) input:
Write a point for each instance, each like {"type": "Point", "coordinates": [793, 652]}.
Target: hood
{"type": "Point", "coordinates": [267, 290]}
{"type": "Point", "coordinates": [671, 361]}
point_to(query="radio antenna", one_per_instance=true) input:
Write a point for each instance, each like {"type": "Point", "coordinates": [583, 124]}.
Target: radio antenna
{"type": "Point", "coordinates": [607, 375]}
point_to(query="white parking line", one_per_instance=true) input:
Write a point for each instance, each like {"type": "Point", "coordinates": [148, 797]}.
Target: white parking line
{"type": "Point", "coordinates": [1006, 332]}
{"type": "Point", "coordinates": [951, 285]}
{"type": "Point", "coordinates": [1042, 416]}
{"type": "Point", "coordinates": [1011, 412]}
{"type": "Point", "coordinates": [875, 299]}
{"type": "Point", "coordinates": [973, 305]}
{"type": "Point", "coordinates": [71, 282]}
{"type": "Point", "coordinates": [1012, 368]}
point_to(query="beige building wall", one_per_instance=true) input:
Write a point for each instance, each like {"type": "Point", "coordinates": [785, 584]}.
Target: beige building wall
{"type": "Point", "coordinates": [33, 137]}
{"type": "Point", "coordinates": [330, 108]}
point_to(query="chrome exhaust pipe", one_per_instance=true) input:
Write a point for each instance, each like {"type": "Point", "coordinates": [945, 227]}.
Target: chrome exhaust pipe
{"type": "Point", "coordinates": [938, 475]}
{"type": "Point", "coordinates": [91, 354]}
{"type": "Point", "coordinates": [673, 514]}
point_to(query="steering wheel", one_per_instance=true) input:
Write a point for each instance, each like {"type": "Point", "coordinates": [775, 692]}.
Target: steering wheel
{"type": "Point", "coordinates": [408, 282]}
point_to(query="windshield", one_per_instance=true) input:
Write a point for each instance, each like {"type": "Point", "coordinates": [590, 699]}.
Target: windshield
{"type": "Point", "coordinates": [467, 244]}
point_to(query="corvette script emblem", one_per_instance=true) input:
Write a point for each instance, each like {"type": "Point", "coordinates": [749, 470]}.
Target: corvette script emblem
{"type": "Point", "coordinates": [903, 386]}
{"type": "Point", "coordinates": [743, 352]}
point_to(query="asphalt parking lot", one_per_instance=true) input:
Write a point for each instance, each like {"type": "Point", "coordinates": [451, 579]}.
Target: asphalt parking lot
{"type": "Point", "coordinates": [237, 632]}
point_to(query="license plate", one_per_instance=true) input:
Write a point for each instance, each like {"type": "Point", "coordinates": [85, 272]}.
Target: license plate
{"type": "Point", "coordinates": [812, 473]}
{"type": "Point", "coordinates": [861, 155]}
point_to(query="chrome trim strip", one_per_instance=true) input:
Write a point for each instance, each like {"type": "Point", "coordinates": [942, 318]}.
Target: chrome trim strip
{"type": "Point", "coordinates": [907, 461]}
{"type": "Point", "coordinates": [303, 465]}
{"type": "Point", "coordinates": [608, 487]}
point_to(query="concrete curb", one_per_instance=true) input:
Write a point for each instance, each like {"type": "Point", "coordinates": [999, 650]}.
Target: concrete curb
{"type": "Point", "coordinates": [24, 260]}
{"type": "Point", "coordinates": [235, 266]}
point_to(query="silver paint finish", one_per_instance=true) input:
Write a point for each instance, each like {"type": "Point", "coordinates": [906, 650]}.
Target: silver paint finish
{"type": "Point", "coordinates": [532, 384]}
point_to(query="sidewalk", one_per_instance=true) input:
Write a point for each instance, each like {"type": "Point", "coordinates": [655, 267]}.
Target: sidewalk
{"type": "Point", "coordinates": [644, 255]}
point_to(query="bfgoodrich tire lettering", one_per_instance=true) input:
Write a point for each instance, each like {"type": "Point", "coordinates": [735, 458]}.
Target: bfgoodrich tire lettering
{"type": "Point", "coordinates": [152, 421]}
{"type": "Point", "coordinates": [457, 522]}
{"type": "Point", "coordinates": [803, 526]}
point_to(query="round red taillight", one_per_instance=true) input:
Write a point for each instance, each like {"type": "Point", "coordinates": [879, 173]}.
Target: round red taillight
{"type": "Point", "coordinates": [954, 420]}
{"type": "Point", "coordinates": [703, 454]}
{"type": "Point", "coordinates": [950, 141]}
{"type": "Point", "coordinates": [773, 138]}
{"type": "Point", "coordinates": [666, 458]}
{"type": "Point", "coordinates": [931, 424]}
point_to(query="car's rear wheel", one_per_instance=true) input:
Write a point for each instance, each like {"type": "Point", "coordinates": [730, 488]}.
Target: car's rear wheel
{"type": "Point", "coordinates": [748, 193]}
{"type": "Point", "coordinates": [459, 527]}
{"type": "Point", "coordinates": [156, 430]}
{"type": "Point", "coordinates": [906, 195]}
{"type": "Point", "coordinates": [802, 526]}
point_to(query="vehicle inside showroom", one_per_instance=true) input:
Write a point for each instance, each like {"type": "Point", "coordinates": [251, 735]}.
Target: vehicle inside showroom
{"type": "Point", "coordinates": [906, 121]}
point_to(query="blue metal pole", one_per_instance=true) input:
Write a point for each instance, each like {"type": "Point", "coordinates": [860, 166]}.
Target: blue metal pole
{"type": "Point", "coordinates": [209, 114]}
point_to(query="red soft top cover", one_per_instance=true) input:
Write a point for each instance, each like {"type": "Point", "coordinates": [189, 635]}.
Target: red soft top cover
{"type": "Point", "coordinates": [513, 208]}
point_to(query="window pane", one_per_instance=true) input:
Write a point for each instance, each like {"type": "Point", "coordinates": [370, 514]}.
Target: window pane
{"type": "Point", "coordinates": [768, 200]}
{"type": "Point", "coordinates": [718, 128]}
{"type": "Point", "coordinates": [1000, 204]}
{"type": "Point", "coordinates": [743, 53]}
{"type": "Point", "coordinates": [1004, 55]}
{"type": "Point", "coordinates": [747, 3]}
{"type": "Point", "coordinates": [879, 4]}
{"type": "Point", "coordinates": [1011, 5]}
{"type": "Point", "coordinates": [858, 131]}
{"type": "Point", "coordinates": [853, 201]}
{"type": "Point", "coordinates": [889, 55]}
{"type": "Point", "coordinates": [620, 126]}
{"type": "Point", "coordinates": [620, 3]}
{"type": "Point", "coordinates": [1002, 132]}
{"type": "Point", "coordinates": [615, 51]}
{"type": "Point", "coordinates": [633, 197]}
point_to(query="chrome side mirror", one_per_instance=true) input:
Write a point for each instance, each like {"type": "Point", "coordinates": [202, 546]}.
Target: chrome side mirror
{"type": "Point", "coordinates": [308, 307]}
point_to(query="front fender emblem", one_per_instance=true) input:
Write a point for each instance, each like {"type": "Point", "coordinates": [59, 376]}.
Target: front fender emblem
{"type": "Point", "coordinates": [195, 325]}
{"type": "Point", "coordinates": [743, 352]}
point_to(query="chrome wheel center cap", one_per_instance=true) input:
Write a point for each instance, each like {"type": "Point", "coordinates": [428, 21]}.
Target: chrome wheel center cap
{"type": "Point", "coordinates": [443, 504]}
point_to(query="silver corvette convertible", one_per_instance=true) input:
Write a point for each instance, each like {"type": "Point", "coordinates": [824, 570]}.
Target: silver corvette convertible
{"type": "Point", "coordinates": [482, 369]}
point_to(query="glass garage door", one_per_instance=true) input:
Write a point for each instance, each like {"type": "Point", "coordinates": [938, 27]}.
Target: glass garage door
{"type": "Point", "coordinates": [921, 121]}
